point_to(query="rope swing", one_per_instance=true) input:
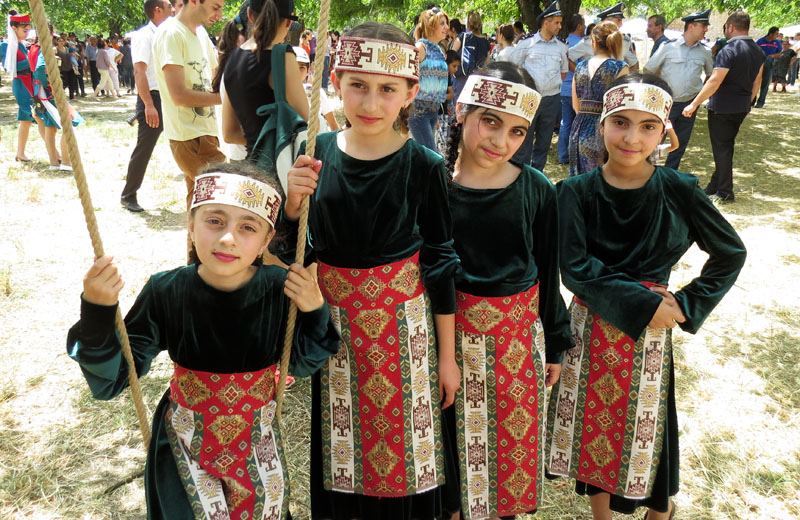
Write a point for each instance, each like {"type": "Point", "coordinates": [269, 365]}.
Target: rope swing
{"type": "Point", "coordinates": [311, 144]}
{"type": "Point", "coordinates": [53, 76]}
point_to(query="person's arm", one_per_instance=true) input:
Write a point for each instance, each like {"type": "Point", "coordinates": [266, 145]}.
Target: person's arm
{"type": "Point", "coordinates": [674, 144]}
{"type": "Point", "coordinates": [295, 93]}
{"type": "Point", "coordinates": [456, 44]}
{"type": "Point", "coordinates": [653, 65]}
{"type": "Point", "coordinates": [757, 84]}
{"type": "Point", "coordinates": [576, 104]}
{"type": "Point", "coordinates": [332, 123]}
{"type": "Point", "coordinates": [182, 95]}
{"type": "Point", "coordinates": [231, 126]}
{"type": "Point", "coordinates": [708, 90]}
{"type": "Point", "coordinates": [422, 52]}
{"type": "Point", "coordinates": [143, 88]}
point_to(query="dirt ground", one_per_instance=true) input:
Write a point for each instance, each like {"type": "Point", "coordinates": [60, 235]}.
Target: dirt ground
{"type": "Point", "coordinates": [738, 380]}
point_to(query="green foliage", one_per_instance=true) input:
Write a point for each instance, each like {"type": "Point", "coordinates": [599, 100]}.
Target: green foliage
{"type": "Point", "coordinates": [763, 13]}
{"type": "Point", "coordinates": [98, 16]}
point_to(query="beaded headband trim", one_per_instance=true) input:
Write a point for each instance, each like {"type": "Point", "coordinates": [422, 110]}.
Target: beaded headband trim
{"type": "Point", "coordinates": [498, 94]}
{"type": "Point", "coordinates": [637, 96]}
{"type": "Point", "coordinates": [374, 56]}
{"type": "Point", "coordinates": [239, 191]}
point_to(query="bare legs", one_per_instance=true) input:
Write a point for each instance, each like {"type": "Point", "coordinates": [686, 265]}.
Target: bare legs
{"type": "Point", "coordinates": [22, 139]}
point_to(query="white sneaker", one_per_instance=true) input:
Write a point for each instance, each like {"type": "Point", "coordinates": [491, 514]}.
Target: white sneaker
{"type": "Point", "coordinates": [54, 167]}
{"type": "Point", "coordinates": [65, 168]}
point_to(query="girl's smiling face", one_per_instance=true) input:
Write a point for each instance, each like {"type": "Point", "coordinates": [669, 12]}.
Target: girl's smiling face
{"type": "Point", "coordinates": [372, 102]}
{"type": "Point", "coordinates": [490, 137]}
{"type": "Point", "coordinates": [631, 136]}
{"type": "Point", "coordinates": [227, 240]}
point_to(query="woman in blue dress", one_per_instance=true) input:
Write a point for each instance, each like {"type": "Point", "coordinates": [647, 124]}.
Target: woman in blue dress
{"type": "Point", "coordinates": [17, 67]}
{"type": "Point", "coordinates": [592, 78]}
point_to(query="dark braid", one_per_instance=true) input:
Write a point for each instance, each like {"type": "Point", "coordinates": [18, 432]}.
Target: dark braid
{"type": "Point", "coordinates": [453, 141]}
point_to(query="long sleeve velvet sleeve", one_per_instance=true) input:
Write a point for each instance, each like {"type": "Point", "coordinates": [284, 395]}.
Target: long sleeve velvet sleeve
{"type": "Point", "coordinates": [552, 311]}
{"type": "Point", "coordinates": [615, 295]}
{"type": "Point", "coordinates": [94, 343]}
{"type": "Point", "coordinates": [726, 255]}
{"type": "Point", "coordinates": [438, 259]}
{"type": "Point", "coordinates": [315, 340]}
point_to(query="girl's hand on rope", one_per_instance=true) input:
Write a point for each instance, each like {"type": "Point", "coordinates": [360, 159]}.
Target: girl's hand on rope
{"type": "Point", "coordinates": [552, 371]}
{"type": "Point", "coordinates": [669, 313]}
{"type": "Point", "coordinates": [449, 380]}
{"type": "Point", "coordinates": [102, 282]}
{"type": "Point", "coordinates": [302, 180]}
{"type": "Point", "coordinates": [302, 287]}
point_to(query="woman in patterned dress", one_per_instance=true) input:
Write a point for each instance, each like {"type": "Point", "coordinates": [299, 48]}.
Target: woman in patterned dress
{"type": "Point", "coordinates": [591, 80]}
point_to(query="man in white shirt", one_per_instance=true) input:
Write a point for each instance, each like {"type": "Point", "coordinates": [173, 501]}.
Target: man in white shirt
{"type": "Point", "coordinates": [148, 100]}
{"type": "Point", "coordinates": [584, 48]}
{"type": "Point", "coordinates": [545, 58]}
{"type": "Point", "coordinates": [681, 64]}
{"type": "Point", "coordinates": [185, 60]}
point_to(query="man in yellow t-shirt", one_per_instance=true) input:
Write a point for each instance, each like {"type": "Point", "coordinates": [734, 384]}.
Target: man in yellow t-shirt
{"type": "Point", "coordinates": [185, 61]}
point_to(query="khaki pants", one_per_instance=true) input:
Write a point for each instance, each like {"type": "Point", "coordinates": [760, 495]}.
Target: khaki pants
{"type": "Point", "coordinates": [194, 155]}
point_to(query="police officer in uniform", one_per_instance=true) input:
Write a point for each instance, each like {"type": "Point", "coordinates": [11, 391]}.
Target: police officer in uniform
{"type": "Point", "coordinates": [544, 56]}
{"type": "Point", "coordinates": [584, 48]}
{"type": "Point", "coordinates": [681, 63]}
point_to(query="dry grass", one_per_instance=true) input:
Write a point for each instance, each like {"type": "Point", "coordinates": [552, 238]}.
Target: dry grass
{"type": "Point", "coordinates": [738, 381]}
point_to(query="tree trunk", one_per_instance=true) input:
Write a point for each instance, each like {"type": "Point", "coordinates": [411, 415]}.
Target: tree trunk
{"type": "Point", "coordinates": [568, 8]}
{"type": "Point", "coordinates": [531, 9]}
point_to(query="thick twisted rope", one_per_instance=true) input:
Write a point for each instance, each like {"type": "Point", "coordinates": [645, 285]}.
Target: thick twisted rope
{"type": "Point", "coordinates": [311, 145]}
{"type": "Point", "coordinates": [51, 65]}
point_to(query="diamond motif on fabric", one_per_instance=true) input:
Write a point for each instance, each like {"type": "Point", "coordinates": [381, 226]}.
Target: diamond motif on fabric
{"type": "Point", "coordinates": [517, 423]}
{"type": "Point", "coordinates": [607, 389]}
{"type": "Point", "coordinates": [376, 356]}
{"type": "Point", "coordinates": [406, 280]}
{"type": "Point", "coordinates": [223, 461]}
{"type": "Point", "coordinates": [390, 56]}
{"type": "Point", "coordinates": [611, 357]}
{"type": "Point", "coordinates": [230, 394]}
{"type": "Point", "coordinates": [517, 312]}
{"type": "Point", "coordinates": [612, 334]}
{"type": "Point", "coordinates": [350, 53]}
{"type": "Point", "coordinates": [371, 287]}
{"type": "Point", "coordinates": [182, 420]}
{"type": "Point", "coordinates": [601, 450]}
{"type": "Point", "coordinates": [484, 316]}
{"type": "Point", "coordinates": [274, 487]}
{"type": "Point", "coordinates": [372, 322]}
{"type": "Point", "coordinates": [493, 93]}
{"type": "Point", "coordinates": [342, 452]}
{"type": "Point", "coordinates": [517, 483]}
{"type": "Point", "coordinates": [519, 454]}
{"type": "Point", "coordinates": [515, 356]}
{"type": "Point", "coordinates": [380, 424]}
{"type": "Point", "coordinates": [337, 285]}
{"type": "Point", "coordinates": [227, 427]}
{"type": "Point", "coordinates": [235, 493]}
{"type": "Point", "coordinates": [263, 388]}
{"type": "Point", "coordinates": [382, 458]}
{"type": "Point", "coordinates": [249, 194]}
{"type": "Point", "coordinates": [193, 390]}
{"type": "Point", "coordinates": [604, 420]}
{"type": "Point", "coordinates": [516, 390]}
{"type": "Point", "coordinates": [416, 309]}
{"type": "Point", "coordinates": [208, 485]}
{"type": "Point", "coordinates": [379, 389]}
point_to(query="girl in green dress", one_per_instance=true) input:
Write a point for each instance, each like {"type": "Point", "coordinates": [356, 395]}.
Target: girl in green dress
{"type": "Point", "coordinates": [216, 450]}
{"type": "Point", "coordinates": [511, 322]}
{"type": "Point", "coordinates": [612, 422]}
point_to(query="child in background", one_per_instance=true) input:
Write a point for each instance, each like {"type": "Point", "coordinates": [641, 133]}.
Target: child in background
{"type": "Point", "coordinates": [512, 325]}
{"type": "Point", "coordinates": [612, 421]}
{"type": "Point", "coordinates": [379, 223]}
{"type": "Point", "coordinates": [327, 121]}
{"type": "Point", "coordinates": [446, 112]}
{"type": "Point", "coordinates": [215, 443]}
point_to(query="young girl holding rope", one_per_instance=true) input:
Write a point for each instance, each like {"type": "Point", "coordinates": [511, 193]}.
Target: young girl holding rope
{"type": "Point", "coordinates": [216, 449]}
{"type": "Point", "coordinates": [379, 223]}
{"type": "Point", "coordinates": [612, 423]}
{"type": "Point", "coordinates": [511, 324]}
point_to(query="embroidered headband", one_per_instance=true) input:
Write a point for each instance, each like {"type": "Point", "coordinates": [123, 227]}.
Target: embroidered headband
{"type": "Point", "coordinates": [505, 96]}
{"type": "Point", "coordinates": [374, 56]}
{"type": "Point", "coordinates": [637, 96]}
{"type": "Point", "coordinates": [239, 191]}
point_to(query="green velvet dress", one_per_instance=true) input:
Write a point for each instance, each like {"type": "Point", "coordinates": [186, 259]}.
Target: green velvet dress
{"type": "Point", "coordinates": [370, 213]}
{"type": "Point", "coordinates": [507, 240]}
{"type": "Point", "coordinates": [613, 239]}
{"type": "Point", "coordinates": [203, 329]}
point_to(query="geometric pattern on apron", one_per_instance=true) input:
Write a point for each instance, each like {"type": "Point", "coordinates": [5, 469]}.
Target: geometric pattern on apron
{"type": "Point", "coordinates": [607, 412]}
{"type": "Point", "coordinates": [226, 444]}
{"type": "Point", "coordinates": [500, 406]}
{"type": "Point", "coordinates": [381, 424]}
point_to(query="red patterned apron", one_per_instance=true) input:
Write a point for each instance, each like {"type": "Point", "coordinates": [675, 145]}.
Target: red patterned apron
{"type": "Point", "coordinates": [607, 412]}
{"type": "Point", "coordinates": [228, 450]}
{"type": "Point", "coordinates": [500, 407]}
{"type": "Point", "coordinates": [381, 430]}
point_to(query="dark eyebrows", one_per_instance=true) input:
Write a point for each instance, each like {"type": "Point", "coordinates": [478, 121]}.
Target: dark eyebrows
{"type": "Point", "coordinates": [221, 212]}
{"type": "Point", "coordinates": [388, 83]}
{"type": "Point", "coordinates": [619, 116]}
{"type": "Point", "coordinates": [489, 112]}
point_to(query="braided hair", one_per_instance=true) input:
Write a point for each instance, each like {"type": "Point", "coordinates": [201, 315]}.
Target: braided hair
{"type": "Point", "coordinates": [497, 69]}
